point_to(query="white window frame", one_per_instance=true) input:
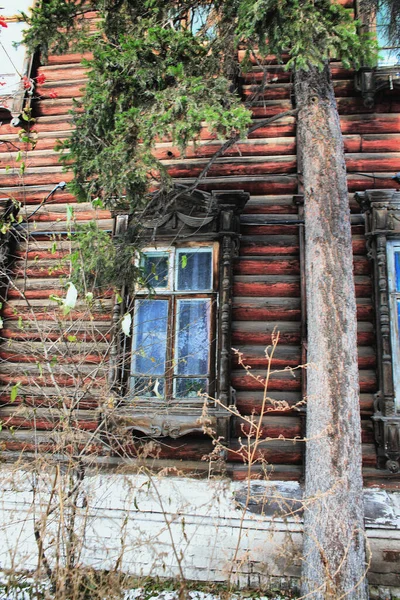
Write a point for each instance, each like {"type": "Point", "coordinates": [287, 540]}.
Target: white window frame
{"type": "Point", "coordinates": [175, 295]}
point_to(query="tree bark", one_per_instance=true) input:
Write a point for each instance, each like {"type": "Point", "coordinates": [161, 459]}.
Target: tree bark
{"type": "Point", "coordinates": [334, 542]}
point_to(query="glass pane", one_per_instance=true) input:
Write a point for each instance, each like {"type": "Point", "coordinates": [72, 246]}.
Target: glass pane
{"type": "Point", "coordinates": [150, 337]}
{"type": "Point", "coordinates": [200, 20]}
{"type": "Point", "coordinates": [155, 269]}
{"type": "Point", "coordinates": [397, 270]}
{"type": "Point", "coordinates": [398, 318]}
{"type": "Point", "coordinates": [192, 337]}
{"type": "Point", "coordinates": [148, 387]}
{"type": "Point", "coordinates": [194, 269]}
{"type": "Point", "coordinates": [388, 55]}
{"type": "Point", "coordinates": [190, 388]}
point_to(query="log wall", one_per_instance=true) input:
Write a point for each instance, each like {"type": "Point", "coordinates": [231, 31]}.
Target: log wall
{"type": "Point", "coordinates": [58, 359]}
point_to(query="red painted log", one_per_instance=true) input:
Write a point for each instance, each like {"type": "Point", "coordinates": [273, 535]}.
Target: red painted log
{"type": "Point", "coordinates": [373, 123]}
{"type": "Point", "coordinates": [245, 309]}
{"type": "Point", "coordinates": [266, 290]}
{"type": "Point", "coordinates": [251, 167]}
{"type": "Point", "coordinates": [267, 267]}
{"type": "Point", "coordinates": [68, 58]}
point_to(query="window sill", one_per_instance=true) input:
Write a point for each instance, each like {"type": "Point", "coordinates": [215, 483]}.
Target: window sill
{"type": "Point", "coordinates": [174, 422]}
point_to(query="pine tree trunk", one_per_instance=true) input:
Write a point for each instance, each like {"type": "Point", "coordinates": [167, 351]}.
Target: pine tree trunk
{"type": "Point", "coordinates": [334, 543]}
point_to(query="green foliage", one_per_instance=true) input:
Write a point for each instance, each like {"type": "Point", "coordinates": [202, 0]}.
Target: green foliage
{"type": "Point", "coordinates": [99, 262]}
{"type": "Point", "coordinates": [310, 32]}
{"type": "Point", "coordinates": [150, 78]}
{"type": "Point", "coordinates": [154, 76]}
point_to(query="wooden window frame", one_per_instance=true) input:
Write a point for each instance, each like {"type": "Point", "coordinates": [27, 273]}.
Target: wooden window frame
{"type": "Point", "coordinates": [192, 219]}
{"type": "Point", "coordinates": [382, 223]}
{"type": "Point", "coordinates": [173, 296]}
{"type": "Point", "coordinates": [393, 245]}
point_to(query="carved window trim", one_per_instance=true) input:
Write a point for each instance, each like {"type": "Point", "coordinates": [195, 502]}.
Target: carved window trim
{"type": "Point", "coordinates": [382, 223]}
{"type": "Point", "coordinates": [199, 218]}
{"type": "Point", "coordinates": [392, 248]}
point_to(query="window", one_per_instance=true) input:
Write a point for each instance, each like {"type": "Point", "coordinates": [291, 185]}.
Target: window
{"type": "Point", "coordinates": [388, 53]}
{"type": "Point", "coordinates": [173, 336]}
{"type": "Point", "coordinates": [393, 265]}
{"type": "Point", "coordinates": [382, 224]}
{"type": "Point", "coordinates": [180, 345]}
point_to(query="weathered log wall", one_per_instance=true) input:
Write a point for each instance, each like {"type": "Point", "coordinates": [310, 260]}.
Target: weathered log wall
{"type": "Point", "coordinates": [63, 360]}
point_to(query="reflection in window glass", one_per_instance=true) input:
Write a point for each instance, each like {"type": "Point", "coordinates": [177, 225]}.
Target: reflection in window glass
{"type": "Point", "coordinates": [200, 16]}
{"type": "Point", "coordinates": [398, 318]}
{"type": "Point", "coordinates": [193, 337]}
{"type": "Point", "coordinates": [190, 387]}
{"type": "Point", "coordinates": [148, 387]}
{"type": "Point", "coordinates": [388, 54]}
{"type": "Point", "coordinates": [194, 269]}
{"type": "Point", "coordinates": [397, 269]}
{"type": "Point", "coordinates": [150, 337]}
{"type": "Point", "coordinates": [155, 266]}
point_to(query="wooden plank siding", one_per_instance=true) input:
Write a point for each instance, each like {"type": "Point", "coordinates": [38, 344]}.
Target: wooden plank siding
{"type": "Point", "coordinates": [267, 275]}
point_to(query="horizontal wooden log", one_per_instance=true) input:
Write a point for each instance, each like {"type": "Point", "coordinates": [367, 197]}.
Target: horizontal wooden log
{"type": "Point", "coordinates": [267, 245]}
{"type": "Point", "coordinates": [271, 427]}
{"type": "Point", "coordinates": [283, 127]}
{"type": "Point", "coordinates": [33, 159]}
{"type": "Point", "coordinates": [53, 123]}
{"type": "Point", "coordinates": [39, 424]}
{"type": "Point", "coordinates": [76, 359]}
{"type": "Point", "coordinates": [270, 205]}
{"type": "Point", "coordinates": [376, 162]}
{"type": "Point", "coordinates": [281, 91]}
{"type": "Point", "coordinates": [64, 381]}
{"type": "Point", "coordinates": [271, 91]}
{"type": "Point", "coordinates": [351, 106]}
{"type": "Point", "coordinates": [254, 185]}
{"type": "Point", "coordinates": [267, 266]}
{"type": "Point", "coordinates": [373, 123]}
{"type": "Point", "coordinates": [252, 147]}
{"type": "Point", "coordinates": [389, 142]}
{"type": "Point", "coordinates": [52, 312]}
{"type": "Point", "coordinates": [51, 401]}
{"type": "Point", "coordinates": [273, 242]}
{"type": "Point", "coordinates": [278, 74]}
{"type": "Point", "coordinates": [41, 271]}
{"type": "Point", "coordinates": [269, 108]}
{"type": "Point", "coordinates": [58, 106]}
{"type": "Point", "coordinates": [281, 229]}
{"type": "Point", "coordinates": [63, 72]}
{"type": "Point", "coordinates": [63, 59]}
{"type": "Point", "coordinates": [94, 335]}
{"type": "Point", "coordinates": [253, 288]}
{"type": "Point", "coordinates": [271, 451]}
{"type": "Point", "coordinates": [260, 332]}
{"type": "Point", "coordinates": [359, 182]}
{"type": "Point", "coordinates": [257, 357]}
{"type": "Point", "coordinates": [239, 472]}
{"type": "Point", "coordinates": [286, 402]}
{"type": "Point", "coordinates": [65, 88]}
{"type": "Point", "coordinates": [38, 176]}
{"type": "Point", "coordinates": [234, 166]}
{"type": "Point", "coordinates": [266, 309]}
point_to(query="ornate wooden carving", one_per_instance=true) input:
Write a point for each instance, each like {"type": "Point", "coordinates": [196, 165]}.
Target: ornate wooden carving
{"type": "Point", "coordinates": [382, 210]}
{"type": "Point", "coordinates": [370, 80]}
{"type": "Point", "coordinates": [189, 216]}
